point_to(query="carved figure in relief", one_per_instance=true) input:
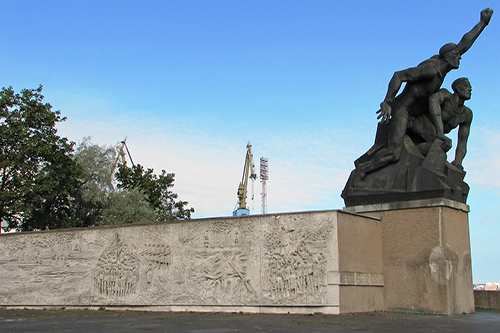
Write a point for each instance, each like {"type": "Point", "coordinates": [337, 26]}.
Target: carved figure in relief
{"type": "Point", "coordinates": [219, 251]}
{"type": "Point", "coordinates": [157, 255]}
{"type": "Point", "coordinates": [117, 270]}
{"type": "Point", "coordinates": [224, 272]}
{"type": "Point", "coordinates": [295, 271]}
{"type": "Point", "coordinates": [50, 250]}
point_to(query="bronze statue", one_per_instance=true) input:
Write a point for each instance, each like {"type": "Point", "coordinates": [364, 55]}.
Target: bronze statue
{"type": "Point", "coordinates": [408, 159]}
{"type": "Point", "coordinates": [447, 112]}
{"type": "Point", "coordinates": [421, 82]}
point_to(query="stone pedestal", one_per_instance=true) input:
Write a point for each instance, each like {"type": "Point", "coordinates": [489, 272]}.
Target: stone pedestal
{"type": "Point", "coordinates": [426, 255]}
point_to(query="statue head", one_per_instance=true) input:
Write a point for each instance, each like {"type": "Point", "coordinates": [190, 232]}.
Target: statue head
{"type": "Point", "coordinates": [462, 88]}
{"type": "Point", "coordinates": [449, 52]}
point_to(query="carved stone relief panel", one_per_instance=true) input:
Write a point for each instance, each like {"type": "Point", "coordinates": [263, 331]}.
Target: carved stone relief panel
{"type": "Point", "coordinates": [46, 268]}
{"type": "Point", "coordinates": [247, 261]}
{"type": "Point", "coordinates": [133, 266]}
{"type": "Point", "coordinates": [295, 265]}
{"type": "Point", "coordinates": [213, 266]}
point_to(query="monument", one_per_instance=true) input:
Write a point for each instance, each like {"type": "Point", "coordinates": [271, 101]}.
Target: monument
{"type": "Point", "coordinates": [408, 160]}
{"type": "Point", "coordinates": [400, 244]}
{"type": "Point", "coordinates": [420, 198]}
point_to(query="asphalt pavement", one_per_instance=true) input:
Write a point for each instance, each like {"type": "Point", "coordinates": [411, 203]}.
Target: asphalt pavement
{"type": "Point", "coordinates": [64, 320]}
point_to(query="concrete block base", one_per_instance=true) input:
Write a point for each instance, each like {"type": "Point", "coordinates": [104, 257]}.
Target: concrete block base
{"type": "Point", "coordinates": [426, 254]}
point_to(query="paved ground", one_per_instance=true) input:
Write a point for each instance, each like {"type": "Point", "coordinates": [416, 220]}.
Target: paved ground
{"type": "Point", "coordinates": [134, 321]}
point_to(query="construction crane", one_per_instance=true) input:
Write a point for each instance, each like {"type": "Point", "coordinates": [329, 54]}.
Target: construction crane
{"type": "Point", "coordinates": [121, 156]}
{"type": "Point", "coordinates": [248, 172]}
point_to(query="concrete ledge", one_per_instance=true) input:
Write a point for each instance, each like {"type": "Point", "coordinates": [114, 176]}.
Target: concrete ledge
{"type": "Point", "coordinates": [436, 202]}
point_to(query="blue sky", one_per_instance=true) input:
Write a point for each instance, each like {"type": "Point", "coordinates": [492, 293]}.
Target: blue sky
{"type": "Point", "coordinates": [189, 83]}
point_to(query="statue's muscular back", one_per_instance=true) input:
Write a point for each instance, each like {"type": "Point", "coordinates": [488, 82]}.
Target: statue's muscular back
{"type": "Point", "coordinates": [415, 95]}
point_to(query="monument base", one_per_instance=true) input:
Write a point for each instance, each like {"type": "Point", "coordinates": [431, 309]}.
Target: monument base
{"type": "Point", "coordinates": [411, 256]}
{"type": "Point", "coordinates": [426, 255]}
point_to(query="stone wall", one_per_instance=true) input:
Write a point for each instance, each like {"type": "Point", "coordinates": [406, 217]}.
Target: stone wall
{"type": "Point", "coordinates": [268, 263]}
{"type": "Point", "coordinates": [411, 257]}
{"type": "Point", "coordinates": [485, 299]}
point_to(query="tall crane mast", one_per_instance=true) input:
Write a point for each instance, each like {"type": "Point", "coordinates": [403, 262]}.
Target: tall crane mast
{"type": "Point", "coordinates": [248, 172]}
{"type": "Point", "coordinates": [120, 155]}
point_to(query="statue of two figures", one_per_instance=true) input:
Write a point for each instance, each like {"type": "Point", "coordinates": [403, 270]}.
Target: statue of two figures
{"type": "Point", "coordinates": [408, 160]}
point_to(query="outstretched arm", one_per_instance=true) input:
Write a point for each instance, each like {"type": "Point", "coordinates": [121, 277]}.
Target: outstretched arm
{"type": "Point", "coordinates": [469, 38]}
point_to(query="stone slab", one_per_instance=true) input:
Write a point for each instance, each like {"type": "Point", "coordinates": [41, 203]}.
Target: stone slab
{"type": "Point", "coordinates": [434, 202]}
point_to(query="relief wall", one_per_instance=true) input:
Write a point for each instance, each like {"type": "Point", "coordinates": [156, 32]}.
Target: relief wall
{"type": "Point", "coordinates": [295, 266]}
{"type": "Point", "coordinates": [261, 260]}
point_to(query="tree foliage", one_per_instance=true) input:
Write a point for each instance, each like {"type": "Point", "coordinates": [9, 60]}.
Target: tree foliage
{"type": "Point", "coordinates": [44, 186]}
{"type": "Point", "coordinates": [98, 201]}
{"type": "Point", "coordinates": [38, 177]}
{"type": "Point", "coordinates": [138, 197]}
{"type": "Point", "coordinates": [127, 207]}
{"type": "Point", "coordinates": [157, 191]}
{"type": "Point", "coordinates": [97, 165]}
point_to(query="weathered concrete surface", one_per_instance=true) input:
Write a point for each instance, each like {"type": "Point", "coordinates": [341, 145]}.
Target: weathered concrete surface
{"type": "Point", "coordinates": [328, 261]}
{"type": "Point", "coordinates": [485, 299]}
{"type": "Point", "coordinates": [426, 256]}
{"type": "Point", "coordinates": [360, 263]}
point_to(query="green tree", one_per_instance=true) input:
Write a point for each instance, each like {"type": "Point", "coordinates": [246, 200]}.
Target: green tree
{"type": "Point", "coordinates": [157, 191]}
{"type": "Point", "coordinates": [98, 202]}
{"type": "Point", "coordinates": [38, 177]}
{"type": "Point", "coordinates": [127, 207]}
{"type": "Point", "coordinates": [97, 165]}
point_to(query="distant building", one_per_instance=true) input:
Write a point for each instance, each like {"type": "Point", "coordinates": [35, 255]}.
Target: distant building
{"type": "Point", "coordinates": [489, 286]}
{"type": "Point", "coordinates": [492, 286]}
